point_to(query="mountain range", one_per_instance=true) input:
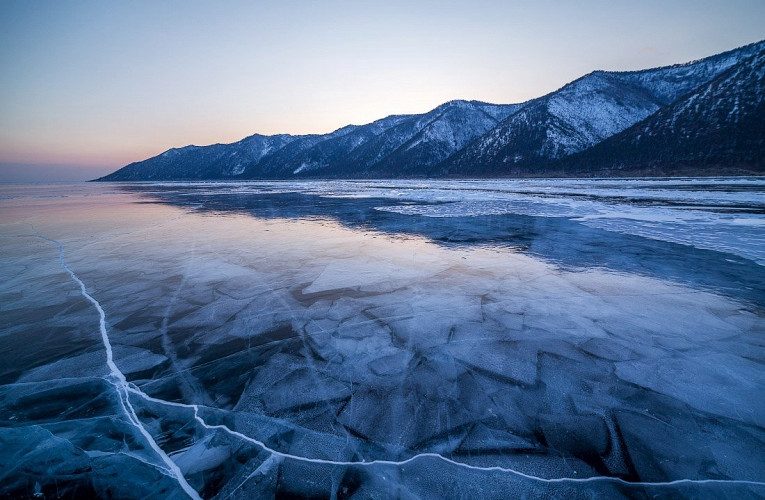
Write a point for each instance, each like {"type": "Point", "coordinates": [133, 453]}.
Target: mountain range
{"type": "Point", "coordinates": [705, 117]}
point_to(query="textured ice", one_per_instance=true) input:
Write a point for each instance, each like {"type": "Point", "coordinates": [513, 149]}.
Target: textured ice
{"type": "Point", "coordinates": [472, 339]}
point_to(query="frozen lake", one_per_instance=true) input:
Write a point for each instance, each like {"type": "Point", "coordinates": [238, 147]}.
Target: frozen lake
{"type": "Point", "coordinates": [474, 339]}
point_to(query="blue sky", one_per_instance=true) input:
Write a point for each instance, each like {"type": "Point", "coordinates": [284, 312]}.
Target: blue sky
{"type": "Point", "coordinates": [88, 86]}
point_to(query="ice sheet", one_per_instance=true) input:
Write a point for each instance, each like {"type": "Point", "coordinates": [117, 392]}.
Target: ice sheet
{"type": "Point", "coordinates": [291, 339]}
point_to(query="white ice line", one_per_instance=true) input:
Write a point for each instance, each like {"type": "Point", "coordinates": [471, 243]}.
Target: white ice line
{"type": "Point", "coordinates": [118, 380]}
{"type": "Point", "coordinates": [393, 463]}
{"type": "Point", "coordinates": [123, 387]}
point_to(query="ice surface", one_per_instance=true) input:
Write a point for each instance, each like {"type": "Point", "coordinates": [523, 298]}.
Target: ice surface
{"type": "Point", "coordinates": [471, 339]}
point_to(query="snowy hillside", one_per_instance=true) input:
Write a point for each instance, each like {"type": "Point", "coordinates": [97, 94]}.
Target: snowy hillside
{"type": "Point", "coordinates": [472, 138]}
{"type": "Point", "coordinates": [456, 123]}
{"type": "Point", "coordinates": [577, 116]}
{"type": "Point", "coordinates": [582, 114]}
{"type": "Point", "coordinates": [394, 145]}
{"type": "Point", "coordinates": [720, 126]}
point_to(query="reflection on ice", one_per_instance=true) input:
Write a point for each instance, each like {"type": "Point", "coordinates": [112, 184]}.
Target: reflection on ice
{"type": "Point", "coordinates": [713, 255]}
{"type": "Point", "coordinates": [296, 343]}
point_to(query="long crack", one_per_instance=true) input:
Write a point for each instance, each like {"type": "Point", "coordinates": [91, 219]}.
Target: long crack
{"type": "Point", "coordinates": [117, 378]}
{"type": "Point", "coordinates": [396, 463]}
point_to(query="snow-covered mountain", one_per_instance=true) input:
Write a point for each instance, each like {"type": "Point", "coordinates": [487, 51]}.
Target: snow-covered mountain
{"type": "Point", "coordinates": [582, 114]}
{"type": "Point", "coordinates": [472, 138]}
{"type": "Point", "coordinates": [455, 124]}
{"type": "Point", "coordinates": [216, 161]}
{"type": "Point", "coordinates": [397, 145]}
{"type": "Point", "coordinates": [719, 127]}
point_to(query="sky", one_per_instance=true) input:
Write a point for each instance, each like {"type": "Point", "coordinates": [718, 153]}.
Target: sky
{"type": "Point", "coordinates": [89, 86]}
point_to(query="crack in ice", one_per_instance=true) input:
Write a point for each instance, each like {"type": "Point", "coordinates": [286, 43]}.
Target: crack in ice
{"type": "Point", "coordinates": [397, 463]}
{"type": "Point", "coordinates": [118, 380]}
{"type": "Point", "coordinates": [123, 387]}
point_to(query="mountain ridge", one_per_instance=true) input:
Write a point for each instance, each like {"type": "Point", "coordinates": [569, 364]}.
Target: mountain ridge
{"type": "Point", "coordinates": [732, 140]}
{"type": "Point", "coordinates": [553, 126]}
{"type": "Point", "coordinates": [469, 138]}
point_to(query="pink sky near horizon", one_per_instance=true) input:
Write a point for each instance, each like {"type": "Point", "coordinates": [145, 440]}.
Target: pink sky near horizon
{"type": "Point", "coordinates": [95, 85]}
